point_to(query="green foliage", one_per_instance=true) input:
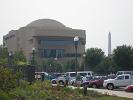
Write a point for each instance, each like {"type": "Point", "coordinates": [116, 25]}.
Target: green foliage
{"type": "Point", "coordinates": [36, 91]}
{"type": "Point", "coordinates": [52, 65]}
{"type": "Point", "coordinates": [106, 66]}
{"type": "Point", "coordinates": [7, 79]}
{"type": "Point", "coordinates": [70, 66]}
{"type": "Point", "coordinates": [3, 52]}
{"type": "Point", "coordinates": [3, 61]}
{"type": "Point", "coordinates": [123, 57]}
{"type": "Point", "coordinates": [4, 96]}
{"type": "Point", "coordinates": [67, 90]}
{"type": "Point", "coordinates": [44, 91]}
{"type": "Point", "coordinates": [19, 58]}
{"type": "Point", "coordinates": [3, 55]}
{"type": "Point", "coordinates": [94, 56]}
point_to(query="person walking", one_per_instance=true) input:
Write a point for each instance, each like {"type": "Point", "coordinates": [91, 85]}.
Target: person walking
{"type": "Point", "coordinates": [66, 80]}
{"type": "Point", "coordinates": [78, 80]}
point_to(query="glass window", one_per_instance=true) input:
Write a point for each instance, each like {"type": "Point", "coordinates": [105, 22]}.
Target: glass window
{"type": "Point", "coordinates": [59, 53]}
{"type": "Point", "coordinates": [72, 74]}
{"type": "Point", "coordinates": [41, 53]}
{"type": "Point", "coordinates": [89, 78]}
{"type": "Point", "coordinates": [47, 53]}
{"type": "Point", "coordinates": [128, 73]}
{"type": "Point", "coordinates": [89, 74]}
{"type": "Point", "coordinates": [119, 73]}
{"type": "Point", "coordinates": [52, 53]}
{"type": "Point", "coordinates": [120, 77]}
{"type": "Point", "coordinates": [126, 77]}
{"type": "Point", "coordinates": [51, 41]}
{"type": "Point", "coordinates": [83, 74]}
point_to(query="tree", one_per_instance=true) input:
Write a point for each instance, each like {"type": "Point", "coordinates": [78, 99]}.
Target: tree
{"type": "Point", "coordinates": [7, 79]}
{"type": "Point", "coordinates": [52, 66]}
{"type": "Point", "coordinates": [3, 55]}
{"type": "Point", "coordinates": [123, 57]}
{"type": "Point", "coordinates": [94, 56]}
{"type": "Point", "coordinates": [19, 58]}
{"type": "Point", "coordinates": [70, 65]}
{"type": "Point", "coordinates": [106, 66]}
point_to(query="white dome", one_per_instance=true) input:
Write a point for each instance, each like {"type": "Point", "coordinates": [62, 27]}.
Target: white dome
{"type": "Point", "coordinates": [46, 23]}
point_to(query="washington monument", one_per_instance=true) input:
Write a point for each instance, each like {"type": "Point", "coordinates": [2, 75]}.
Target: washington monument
{"type": "Point", "coordinates": [109, 44]}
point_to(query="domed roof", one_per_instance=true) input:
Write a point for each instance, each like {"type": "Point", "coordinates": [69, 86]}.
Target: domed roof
{"type": "Point", "coordinates": [46, 23]}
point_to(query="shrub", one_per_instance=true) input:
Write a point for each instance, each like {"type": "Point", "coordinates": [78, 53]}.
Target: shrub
{"type": "Point", "coordinates": [4, 96]}
{"type": "Point", "coordinates": [7, 79]}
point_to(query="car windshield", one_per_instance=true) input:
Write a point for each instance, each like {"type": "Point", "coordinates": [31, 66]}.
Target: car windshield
{"type": "Point", "coordinates": [95, 78]}
{"type": "Point", "coordinates": [72, 74]}
{"type": "Point", "coordinates": [119, 73]}
{"type": "Point", "coordinates": [89, 78]}
{"type": "Point", "coordinates": [104, 78]}
{"type": "Point", "coordinates": [83, 74]}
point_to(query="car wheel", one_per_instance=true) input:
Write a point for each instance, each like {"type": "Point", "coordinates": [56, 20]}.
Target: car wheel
{"type": "Point", "coordinates": [110, 86]}
{"type": "Point", "coordinates": [61, 82]}
{"type": "Point", "coordinates": [94, 85]}
{"type": "Point", "coordinates": [73, 83]}
{"type": "Point", "coordinates": [54, 82]}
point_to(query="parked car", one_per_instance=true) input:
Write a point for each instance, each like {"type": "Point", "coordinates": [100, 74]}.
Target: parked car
{"type": "Point", "coordinates": [97, 83]}
{"type": "Point", "coordinates": [111, 76]}
{"type": "Point", "coordinates": [87, 82]}
{"type": "Point", "coordinates": [129, 88]}
{"type": "Point", "coordinates": [61, 80]}
{"type": "Point", "coordinates": [72, 75]}
{"type": "Point", "coordinates": [55, 75]}
{"type": "Point", "coordinates": [120, 81]}
{"type": "Point", "coordinates": [84, 80]}
{"type": "Point", "coordinates": [73, 82]}
{"type": "Point", "coordinates": [124, 72]}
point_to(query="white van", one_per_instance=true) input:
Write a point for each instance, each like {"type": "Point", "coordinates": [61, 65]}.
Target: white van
{"type": "Point", "coordinates": [124, 72]}
{"type": "Point", "coordinates": [72, 75]}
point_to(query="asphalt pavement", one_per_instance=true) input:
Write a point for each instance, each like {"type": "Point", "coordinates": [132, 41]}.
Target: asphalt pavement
{"type": "Point", "coordinates": [116, 92]}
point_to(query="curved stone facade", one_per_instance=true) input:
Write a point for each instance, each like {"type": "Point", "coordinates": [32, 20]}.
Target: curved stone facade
{"type": "Point", "coordinates": [50, 38]}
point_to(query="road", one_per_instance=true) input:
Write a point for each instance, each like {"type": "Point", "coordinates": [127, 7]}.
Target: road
{"type": "Point", "coordinates": [117, 92]}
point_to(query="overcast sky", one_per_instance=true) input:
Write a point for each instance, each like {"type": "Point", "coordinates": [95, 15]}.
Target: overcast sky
{"type": "Point", "coordinates": [97, 17]}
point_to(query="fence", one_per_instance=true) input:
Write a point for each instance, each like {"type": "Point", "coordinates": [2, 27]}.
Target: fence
{"type": "Point", "coordinates": [27, 71]}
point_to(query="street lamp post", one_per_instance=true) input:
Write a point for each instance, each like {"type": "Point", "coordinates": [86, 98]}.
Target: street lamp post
{"type": "Point", "coordinates": [76, 40]}
{"type": "Point", "coordinates": [9, 58]}
{"type": "Point", "coordinates": [84, 55]}
{"type": "Point", "coordinates": [33, 56]}
{"type": "Point", "coordinates": [55, 65]}
{"type": "Point", "coordinates": [50, 68]}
